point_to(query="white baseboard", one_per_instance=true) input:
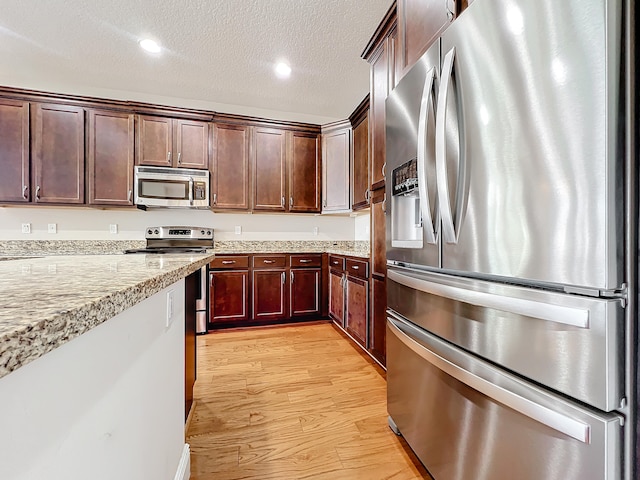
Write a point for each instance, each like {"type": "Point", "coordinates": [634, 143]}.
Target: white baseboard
{"type": "Point", "coordinates": [184, 467]}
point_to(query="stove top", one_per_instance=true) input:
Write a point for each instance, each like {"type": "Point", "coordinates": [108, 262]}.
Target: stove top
{"type": "Point", "coordinates": [176, 239]}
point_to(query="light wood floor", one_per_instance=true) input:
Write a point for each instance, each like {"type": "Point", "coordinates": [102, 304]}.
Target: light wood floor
{"type": "Point", "coordinates": [292, 402]}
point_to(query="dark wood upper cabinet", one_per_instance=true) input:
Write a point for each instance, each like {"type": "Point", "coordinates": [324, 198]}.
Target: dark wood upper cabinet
{"type": "Point", "coordinates": [304, 172]}
{"type": "Point", "coordinates": [269, 169]}
{"type": "Point", "coordinates": [172, 142]}
{"type": "Point", "coordinates": [154, 141]}
{"type": "Point", "coordinates": [336, 161]}
{"type": "Point", "coordinates": [14, 151]}
{"type": "Point", "coordinates": [110, 158]}
{"type": "Point", "coordinates": [58, 154]}
{"type": "Point", "coordinates": [230, 169]}
{"type": "Point", "coordinates": [360, 193]}
{"type": "Point", "coordinates": [420, 23]}
{"type": "Point", "coordinates": [191, 143]}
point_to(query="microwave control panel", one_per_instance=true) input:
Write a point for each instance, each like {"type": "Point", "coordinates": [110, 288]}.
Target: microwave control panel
{"type": "Point", "coordinates": [199, 191]}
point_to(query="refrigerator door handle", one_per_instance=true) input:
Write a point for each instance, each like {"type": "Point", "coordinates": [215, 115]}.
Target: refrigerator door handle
{"type": "Point", "coordinates": [552, 419]}
{"type": "Point", "coordinates": [448, 228]}
{"type": "Point", "coordinates": [566, 315]}
{"type": "Point", "coordinates": [425, 111]}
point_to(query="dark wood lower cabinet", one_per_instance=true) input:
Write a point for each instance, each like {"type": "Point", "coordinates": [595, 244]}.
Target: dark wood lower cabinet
{"type": "Point", "coordinates": [357, 296]}
{"type": "Point", "coordinates": [378, 319]}
{"type": "Point", "coordinates": [304, 292]}
{"type": "Point", "coordinates": [229, 296]}
{"type": "Point", "coordinates": [336, 296]}
{"type": "Point", "coordinates": [269, 294]}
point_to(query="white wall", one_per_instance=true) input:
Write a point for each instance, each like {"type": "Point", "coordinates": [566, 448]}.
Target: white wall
{"type": "Point", "coordinates": [93, 224]}
{"type": "Point", "coordinates": [106, 405]}
{"type": "Point", "coordinates": [362, 227]}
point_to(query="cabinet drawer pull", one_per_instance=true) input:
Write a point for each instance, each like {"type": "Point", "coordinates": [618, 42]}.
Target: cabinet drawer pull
{"type": "Point", "coordinates": [38, 192]}
{"type": "Point", "coordinates": [215, 198]}
{"type": "Point", "coordinates": [179, 158]}
{"type": "Point", "coordinates": [336, 262]}
{"type": "Point", "coordinates": [269, 261]}
{"type": "Point", "coordinates": [24, 192]}
{"type": "Point", "coordinates": [291, 201]}
{"type": "Point", "coordinates": [284, 278]}
{"type": "Point", "coordinates": [355, 267]}
{"type": "Point", "coordinates": [168, 157]}
{"type": "Point", "coordinates": [129, 196]}
{"type": "Point", "coordinates": [228, 262]}
{"type": "Point", "coordinates": [384, 170]}
{"type": "Point", "coordinates": [305, 260]}
{"type": "Point", "coordinates": [291, 276]}
{"type": "Point", "coordinates": [282, 202]}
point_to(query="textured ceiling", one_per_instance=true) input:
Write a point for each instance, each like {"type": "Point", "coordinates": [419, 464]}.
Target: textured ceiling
{"type": "Point", "coordinates": [217, 52]}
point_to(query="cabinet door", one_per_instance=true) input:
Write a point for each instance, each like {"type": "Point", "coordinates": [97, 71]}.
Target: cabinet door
{"type": "Point", "coordinates": [360, 176]}
{"type": "Point", "coordinates": [14, 151]}
{"type": "Point", "coordinates": [191, 146]}
{"type": "Point", "coordinates": [229, 296]}
{"type": "Point", "coordinates": [304, 298]}
{"type": "Point", "coordinates": [58, 154]}
{"type": "Point", "coordinates": [110, 158]}
{"type": "Point", "coordinates": [379, 89]}
{"type": "Point", "coordinates": [154, 141]}
{"type": "Point", "coordinates": [269, 169]}
{"type": "Point", "coordinates": [336, 153]}
{"type": "Point", "coordinates": [304, 172]}
{"type": "Point", "coordinates": [230, 185]}
{"type": "Point", "coordinates": [357, 309]}
{"type": "Point", "coordinates": [420, 23]}
{"type": "Point", "coordinates": [378, 234]}
{"type": "Point", "coordinates": [378, 319]}
{"type": "Point", "coordinates": [269, 294]}
{"type": "Point", "coordinates": [336, 296]}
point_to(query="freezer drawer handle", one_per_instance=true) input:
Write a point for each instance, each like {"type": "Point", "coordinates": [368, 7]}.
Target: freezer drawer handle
{"type": "Point", "coordinates": [552, 419]}
{"type": "Point", "coordinates": [552, 313]}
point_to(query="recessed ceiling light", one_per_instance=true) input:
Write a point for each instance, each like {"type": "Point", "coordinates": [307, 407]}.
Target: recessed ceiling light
{"type": "Point", "coordinates": [150, 45]}
{"type": "Point", "coordinates": [283, 70]}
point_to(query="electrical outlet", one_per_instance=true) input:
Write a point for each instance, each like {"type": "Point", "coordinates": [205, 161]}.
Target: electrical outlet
{"type": "Point", "coordinates": [170, 307]}
{"type": "Point", "coordinates": [315, 230]}
{"type": "Point", "coordinates": [26, 228]}
{"type": "Point", "coordinates": [52, 228]}
{"type": "Point", "coordinates": [237, 229]}
{"type": "Point", "coordinates": [113, 228]}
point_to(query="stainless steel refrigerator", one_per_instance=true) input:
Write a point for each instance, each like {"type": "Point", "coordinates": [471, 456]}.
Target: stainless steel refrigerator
{"type": "Point", "coordinates": [508, 333]}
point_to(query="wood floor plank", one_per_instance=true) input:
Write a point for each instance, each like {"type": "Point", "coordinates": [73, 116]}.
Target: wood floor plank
{"type": "Point", "coordinates": [289, 403]}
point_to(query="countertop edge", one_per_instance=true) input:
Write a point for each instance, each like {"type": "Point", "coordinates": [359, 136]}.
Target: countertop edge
{"type": "Point", "coordinates": [50, 333]}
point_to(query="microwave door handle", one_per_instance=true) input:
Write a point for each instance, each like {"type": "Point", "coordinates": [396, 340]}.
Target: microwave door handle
{"type": "Point", "coordinates": [425, 208]}
{"type": "Point", "coordinates": [448, 229]}
{"type": "Point", "coordinates": [190, 190]}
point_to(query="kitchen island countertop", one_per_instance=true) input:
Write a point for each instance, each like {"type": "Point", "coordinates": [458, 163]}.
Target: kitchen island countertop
{"type": "Point", "coordinates": [45, 302]}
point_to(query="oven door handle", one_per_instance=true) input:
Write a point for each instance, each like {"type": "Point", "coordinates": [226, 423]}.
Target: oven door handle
{"type": "Point", "coordinates": [539, 413]}
{"type": "Point", "coordinates": [190, 190]}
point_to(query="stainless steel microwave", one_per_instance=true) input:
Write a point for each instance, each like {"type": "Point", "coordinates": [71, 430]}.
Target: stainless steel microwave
{"type": "Point", "coordinates": [171, 187]}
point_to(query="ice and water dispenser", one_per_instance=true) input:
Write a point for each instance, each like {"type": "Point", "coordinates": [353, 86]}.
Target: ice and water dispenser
{"type": "Point", "coordinates": [406, 221]}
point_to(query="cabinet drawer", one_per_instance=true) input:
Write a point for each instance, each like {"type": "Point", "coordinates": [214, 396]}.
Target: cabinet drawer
{"type": "Point", "coordinates": [241, 261]}
{"type": "Point", "coordinates": [269, 261]}
{"type": "Point", "coordinates": [357, 268]}
{"type": "Point", "coordinates": [306, 260]}
{"type": "Point", "coordinates": [336, 262]}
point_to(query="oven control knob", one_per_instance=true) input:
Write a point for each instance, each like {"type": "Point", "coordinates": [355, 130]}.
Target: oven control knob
{"type": "Point", "coordinates": [208, 232]}
{"type": "Point", "coordinates": [149, 231]}
{"type": "Point", "coordinates": [201, 232]}
{"type": "Point", "coordinates": [156, 231]}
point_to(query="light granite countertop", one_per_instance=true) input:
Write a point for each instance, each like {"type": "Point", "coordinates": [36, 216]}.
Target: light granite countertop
{"type": "Point", "coordinates": [45, 302]}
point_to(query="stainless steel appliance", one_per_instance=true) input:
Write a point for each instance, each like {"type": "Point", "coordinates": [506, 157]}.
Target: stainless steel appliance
{"type": "Point", "coordinates": [172, 239]}
{"type": "Point", "coordinates": [508, 349]}
{"type": "Point", "coordinates": [171, 187]}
